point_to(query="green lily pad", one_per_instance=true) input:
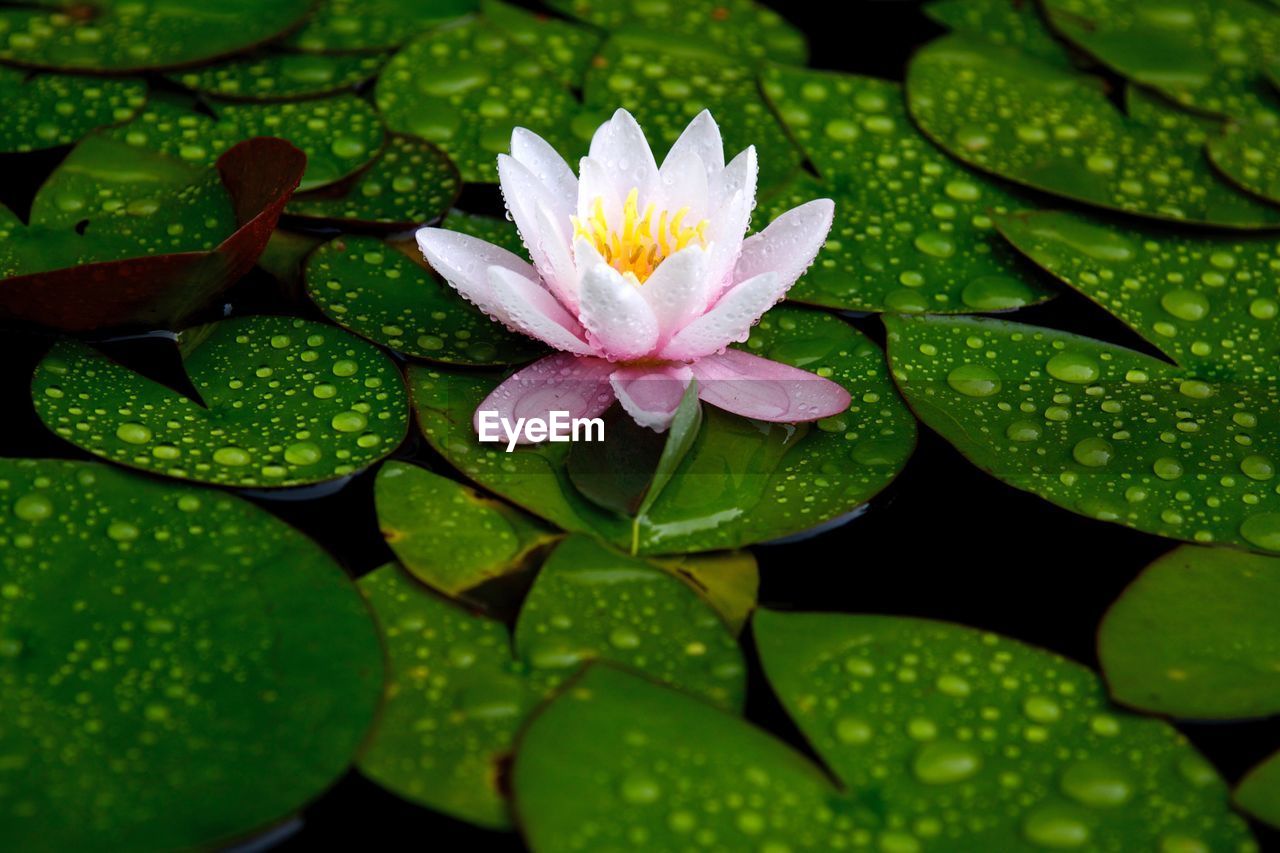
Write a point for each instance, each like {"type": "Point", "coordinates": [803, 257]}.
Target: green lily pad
{"type": "Point", "coordinates": [122, 237]}
{"type": "Point", "coordinates": [285, 402]}
{"type": "Point", "coordinates": [465, 86]}
{"type": "Point", "coordinates": [178, 668]}
{"type": "Point", "coordinates": [449, 536]}
{"type": "Point", "coordinates": [340, 135]}
{"type": "Point", "coordinates": [499, 232]}
{"type": "Point", "coordinates": [742, 481]}
{"type": "Point", "coordinates": [1195, 636]}
{"type": "Point", "coordinates": [340, 26]}
{"type": "Point", "coordinates": [742, 29]}
{"type": "Point", "coordinates": [46, 110]}
{"type": "Point", "coordinates": [1098, 429]}
{"type": "Point", "coordinates": [461, 686]}
{"type": "Point", "coordinates": [631, 68]}
{"type": "Point", "coordinates": [564, 48]}
{"type": "Point", "coordinates": [410, 183]}
{"type": "Point", "coordinates": [1246, 155]}
{"type": "Point", "coordinates": [380, 293]}
{"type": "Point", "coordinates": [729, 581]}
{"type": "Point", "coordinates": [913, 230]}
{"type": "Point", "coordinates": [1009, 23]}
{"type": "Point", "coordinates": [277, 76]}
{"type": "Point", "coordinates": [941, 737]}
{"type": "Point", "coordinates": [1052, 129]}
{"type": "Point", "coordinates": [1205, 54]}
{"type": "Point", "coordinates": [1258, 794]}
{"type": "Point", "coordinates": [134, 35]}
{"type": "Point", "coordinates": [1151, 108]}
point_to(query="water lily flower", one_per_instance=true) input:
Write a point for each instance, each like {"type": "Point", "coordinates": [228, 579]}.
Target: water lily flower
{"type": "Point", "coordinates": [641, 277]}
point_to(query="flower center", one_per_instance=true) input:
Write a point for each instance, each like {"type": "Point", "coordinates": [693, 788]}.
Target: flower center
{"type": "Point", "coordinates": [642, 243]}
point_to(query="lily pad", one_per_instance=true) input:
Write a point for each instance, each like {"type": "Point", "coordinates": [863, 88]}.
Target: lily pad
{"type": "Point", "coordinates": [913, 230]}
{"type": "Point", "coordinates": [1049, 128]}
{"type": "Point", "coordinates": [631, 68]}
{"type": "Point", "coordinates": [46, 110]}
{"type": "Point", "coordinates": [462, 686]}
{"type": "Point", "coordinates": [564, 48]}
{"type": "Point", "coordinates": [178, 668]}
{"type": "Point", "coordinates": [1247, 154]}
{"type": "Point", "coordinates": [118, 36]}
{"type": "Point", "coordinates": [465, 86]}
{"type": "Point", "coordinates": [410, 183]}
{"type": "Point", "coordinates": [449, 536]}
{"type": "Point", "coordinates": [941, 737]}
{"type": "Point", "coordinates": [1010, 23]}
{"type": "Point", "coordinates": [1205, 54]}
{"type": "Point", "coordinates": [340, 135]}
{"type": "Point", "coordinates": [282, 402]}
{"type": "Point", "coordinates": [1258, 794]}
{"type": "Point", "coordinates": [727, 580]}
{"type": "Point", "coordinates": [122, 237]}
{"type": "Point", "coordinates": [278, 76]}
{"type": "Point", "coordinates": [742, 29]}
{"type": "Point", "coordinates": [340, 26]}
{"type": "Point", "coordinates": [499, 232]}
{"type": "Point", "coordinates": [380, 293]}
{"type": "Point", "coordinates": [1195, 636]}
{"type": "Point", "coordinates": [742, 481]}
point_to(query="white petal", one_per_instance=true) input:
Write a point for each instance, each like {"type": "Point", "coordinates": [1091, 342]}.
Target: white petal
{"type": "Point", "coordinates": [537, 155]}
{"type": "Point", "coordinates": [556, 233]}
{"type": "Point", "coordinates": [701, 139]}
{"type": "Point", "coordinates": [464, 262]}
{"type": "Point", "coordinates": [616, 317]}
{"type": "Point", "coordinates": [739, 176]}
{"type": "Point", "coordinates": [725, 235]}
{"type": "Point", "coordinates": [684, 184]}
{"type": "Point", "coordinates": [730, 321]}
{"type": "Point", "coordinates": [595, 182]}
{"type": "Point", "coordinates": [527, 307]}
{"type": "Point", "coordinates": [789, 245]}
{"type": "Point", "coordinates": [677, 291]}
{"type": "Point", "coordinates": [620, 146]}
{"type": "Point", "coordinates": [524, 193]}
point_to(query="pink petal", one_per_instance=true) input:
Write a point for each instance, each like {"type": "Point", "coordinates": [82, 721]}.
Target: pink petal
{"type": "Point", "coordinates": [677, 290]}
{"type": "Point", "coordinates": [537, 155]}
{"type": "Point", "coordinates": [464, 262]}
{"type": "Point", "coordinates": [700, 139]}
{"type": "Point", "coordinates": [620, 146]}
{"type": "Point", "coordinates": [790, 243]}
{"type": "Point", "coordinates": [557, 383]}
{"type": "Point", "coordinates": [527, 307]}
{"type": "Point", "coordinates": [729, 321]}
{"type": "Point", "coordinates": [524, 195]}
{"type": "Point", "coordinates": [766, 390]}
{"type": "Point", "coordinates": [651, 394]}
{"type": "Point", "coordinates": [618, 319]}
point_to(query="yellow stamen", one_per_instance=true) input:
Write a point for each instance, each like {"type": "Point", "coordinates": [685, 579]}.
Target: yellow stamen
{"type": "Point", "coordinates": [638, 248]}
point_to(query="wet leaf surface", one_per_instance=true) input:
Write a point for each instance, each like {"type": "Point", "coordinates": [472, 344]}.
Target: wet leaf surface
{"type": "Point", "coordinates": [1258, 794]}
{"type": "Point", "coordinates": [280, 76]}
{"type": "Point", "coordinates": [372, 25]}
{"type": "Point", "coordinates": [46, 110]}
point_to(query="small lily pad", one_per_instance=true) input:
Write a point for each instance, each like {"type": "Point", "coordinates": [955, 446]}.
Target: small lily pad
{"type": "Point", "coordinates": [46, 110]}
{"type": "Point", "coordinates": [465, 86]}
{"type": "Point", "coordinates": [1258, 794]}
{"type": "Point", "coordinates": [178, 668]}
{"type": "Point", "coordinates": [340, 135]}
{"type": "Point", "coordinates": [1205, 54]}
{"type": "Point", "coordinates": [1195, 636]}
{"type": "Point", "coordinates": [459, 693]}
{"type": "Point", "coordinates": [742, 29]}
{"type": "Point", "coordinates": [1247, 155]}
{"type": "Point", "coordinates": [382, 294]}
{"type": "Point", "coordinates": [913, 230]}
{"type": "Point", "coordinates": [742, 481]}
{"type": "Point", "coordinates": [340, 26]}
{"type": "Point", "coordinates": [118, 36]}
{"type": "Point", "coordinates": [1049, 128]}
{"type": "Point", "coordinates": [283, 402]}
{"type": "Point", "coordinates": [941, 737]}
{"type": "Point", "coordinates": [447, 535]}
{"type": "Point", "coordinates": [1009, 23]}
{"type": "Point", "coordinates": [410, 183]}
{"type": "Point", "coordinates": [278, 76]}
{"type": "Point", "coordinates": [122, 237]}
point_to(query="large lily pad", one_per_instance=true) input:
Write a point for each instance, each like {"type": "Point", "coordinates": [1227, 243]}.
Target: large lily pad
{"type": "Point", "coordinates": [464, 86]}
{"type": "Point", "coordinates": [742, 481]}
{"type": "Point", "coordinates": [499, 232]}
{"type": "Point", "coordinates": [1195, 636]}
{"type": "Point", "coordinates": [45, 110]}
{"type": "Point", "coordinates": [177, 667]}
{"type": "Point", "coordinates": [1010, 23]}
{"type": "Point", "coordinates": [340, 135]}
{"type": "Point", "coordinates": [133, 35]}
{"type": "Point", "coordinates": [1047, 127]}
{"type": "Point", "coordinates": [1258, 793]}
{"type": "Point", "coordinates": [123, 237]}
{"type": "Point", "coordinates": [410, 183]}
{"type": "Point", "coordinates": [1205, 54]}
{"type": "Point", "coordinates": [379, 292]}
{"type": "Point", "coordinates": [449, 536]}
{"type": "Point", "coordinates": [460, 690]}
{"type": "Point", "coordinates": [282, 402]}
{"type": "Point", "coordinates": [941, 738]}
{"type": "Point", "coordinates": [279, 76]}
{"type": "Point", "coordinates": [913, 230]}
{"type": "Point", "coordinates": [743, 29]}
{"type": "Point", "coordinates": [564, 49]}
{"type": "Point", "coordinates": [1248, 156]}
{"type": "Point", "coordinates": [339, 26]}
